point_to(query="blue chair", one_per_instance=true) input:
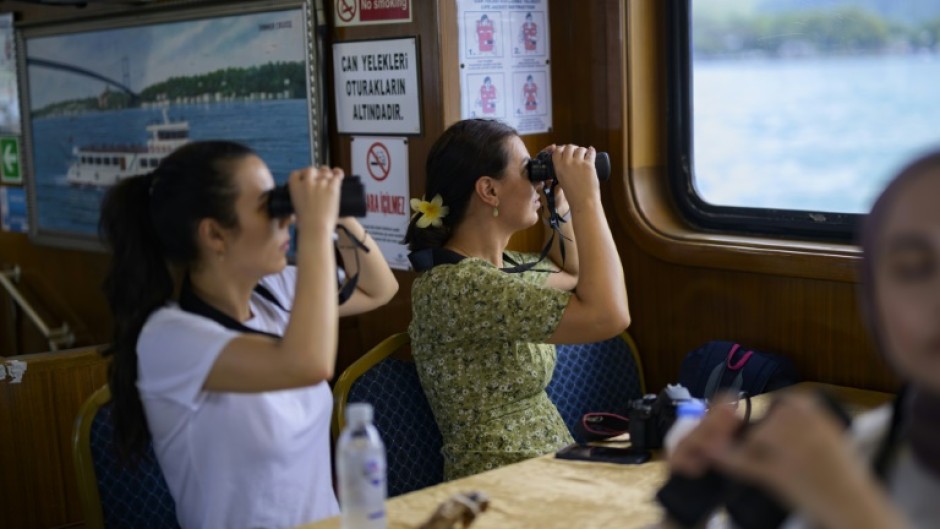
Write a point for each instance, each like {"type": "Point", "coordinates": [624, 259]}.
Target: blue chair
{"type": "Point", "coordinates": [595, 377]}
{"type": "Point", "coordinates": [114, 494]}
{"type": "Point", "coordinates": [402, 414]}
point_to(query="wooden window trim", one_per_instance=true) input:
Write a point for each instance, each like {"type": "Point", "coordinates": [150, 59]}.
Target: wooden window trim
{"type": "Point", "coordinates": [643, 204]}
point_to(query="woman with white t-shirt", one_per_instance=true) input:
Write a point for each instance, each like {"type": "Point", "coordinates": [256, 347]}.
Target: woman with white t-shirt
{"type": "Point", "coordinates": [221, 349]}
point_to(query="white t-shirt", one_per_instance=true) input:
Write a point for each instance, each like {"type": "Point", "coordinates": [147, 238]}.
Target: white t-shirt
{"type": "Point", "coordinates": [233, 460]}
{"type": "Point", "coordinates": [913, 490]}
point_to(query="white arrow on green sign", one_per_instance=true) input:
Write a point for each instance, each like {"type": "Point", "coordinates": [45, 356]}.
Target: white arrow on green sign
{"type": "Point", "coordinates": [10, 160]}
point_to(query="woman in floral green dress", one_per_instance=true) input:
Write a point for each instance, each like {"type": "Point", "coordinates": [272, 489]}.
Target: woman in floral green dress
{"type": "Point", "coordinates": [481, 332]}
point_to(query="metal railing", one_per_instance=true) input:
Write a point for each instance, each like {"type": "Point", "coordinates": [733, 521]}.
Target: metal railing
{"type": "Point", "coordinates": [58, 338]}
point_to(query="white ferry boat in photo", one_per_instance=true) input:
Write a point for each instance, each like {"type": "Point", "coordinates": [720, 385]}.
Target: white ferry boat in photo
{"type": "Point", "coordinates": [105, 164]}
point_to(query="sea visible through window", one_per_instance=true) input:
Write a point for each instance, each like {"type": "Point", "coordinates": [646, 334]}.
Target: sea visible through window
{"type": "Point", "coordinates": [803, 105]}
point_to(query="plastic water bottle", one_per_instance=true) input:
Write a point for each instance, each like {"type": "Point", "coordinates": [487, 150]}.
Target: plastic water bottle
{"type": "Point", "coordinates": [360, 470]}
{"type": "Point", "coordinates": [688, 414]}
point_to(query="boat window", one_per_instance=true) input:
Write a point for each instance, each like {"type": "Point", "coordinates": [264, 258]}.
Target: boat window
{"type": "Point", "coordinates": [788, 116]}
{"type": "Point", "coordinates": [171, 134]}
{"type": "Point", "coordinates": [144, 162]}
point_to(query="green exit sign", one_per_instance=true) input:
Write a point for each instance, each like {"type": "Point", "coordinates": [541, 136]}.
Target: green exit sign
{"type": "Point", "coordinates": [10, 168]}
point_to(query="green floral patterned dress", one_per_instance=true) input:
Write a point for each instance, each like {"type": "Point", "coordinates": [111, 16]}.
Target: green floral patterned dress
{"type": "Point", "coordinates": [476, 336]}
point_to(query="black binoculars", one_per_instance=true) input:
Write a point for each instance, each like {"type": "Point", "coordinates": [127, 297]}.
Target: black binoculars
{"type": "Point", "coordinates": [352, 199]}
{"type": "Point", "coordinates": [541, 168]}
{"type": "Point", "coordinates": [689, 501]}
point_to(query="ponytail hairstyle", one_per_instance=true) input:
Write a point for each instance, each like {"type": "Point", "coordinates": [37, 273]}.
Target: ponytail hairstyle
{"type": "Point", "coordinates": [868, 296]}
{"type": "Point", "coordinates": [465, 151]}
{"type": "Point", "coordinates": [150, 222]}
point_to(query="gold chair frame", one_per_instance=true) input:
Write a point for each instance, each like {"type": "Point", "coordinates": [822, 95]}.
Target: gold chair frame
{"type": "Point", "coordinates": [81, 457]}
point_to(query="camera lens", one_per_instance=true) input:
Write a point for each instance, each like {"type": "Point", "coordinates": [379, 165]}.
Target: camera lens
{"type": "Point", "coordinates": [541, 168]}
{"type": "Point", "coordinates": [352, 199]}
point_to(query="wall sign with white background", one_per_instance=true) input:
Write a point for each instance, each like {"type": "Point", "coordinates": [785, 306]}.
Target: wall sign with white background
{"type": "Point", "coordinates": [376, 86]}
{"type": "Point", "coordinates": [505, 61]}
{"type": "Point", "coordinates": [382, 164]}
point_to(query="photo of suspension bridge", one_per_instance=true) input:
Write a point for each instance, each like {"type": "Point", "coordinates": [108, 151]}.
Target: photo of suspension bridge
{"type": "Point", "coordinates": [112, 103]}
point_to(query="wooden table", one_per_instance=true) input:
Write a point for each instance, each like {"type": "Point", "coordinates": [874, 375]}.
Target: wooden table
{"type": "Point", "coordinates": [546, 493]}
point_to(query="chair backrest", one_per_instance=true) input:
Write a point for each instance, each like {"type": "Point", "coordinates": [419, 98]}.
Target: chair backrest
{"type": "Point", "coordinates": [115, 494]}
{"type": "Point", "coordinates": [402, 414]}
{"type": "Point", "coordinates": [595, 377]}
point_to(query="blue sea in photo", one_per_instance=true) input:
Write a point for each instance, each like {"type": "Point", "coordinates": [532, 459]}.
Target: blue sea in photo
{"type": "Point", "coordinates": [277, 130]}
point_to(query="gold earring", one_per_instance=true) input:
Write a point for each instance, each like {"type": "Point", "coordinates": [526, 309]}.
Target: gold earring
{"type": "Point", "coordinates": [495, 212]}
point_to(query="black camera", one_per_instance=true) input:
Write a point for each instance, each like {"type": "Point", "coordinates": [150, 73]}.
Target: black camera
{"type": "Point", "coordinates": [652, 415]}
{"type": "Point", "coordinates": [352, 199]}
{"type": "Point", "coordinates": [541, 168]}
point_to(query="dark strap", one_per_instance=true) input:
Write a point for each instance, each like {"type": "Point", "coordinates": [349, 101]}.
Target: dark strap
{"type": "Point", "coordinates": [714, 379]}
{"type": "Point", "coordinates": [190, 302]}
{"type": "Point", "coordinates": [266, 294]}
{"type": "Point", "coordinates": [554, 221]}
{"type": "Point", "coordinates": [428, 258]}
{"type": "Point", "coordinates": [347, 289]}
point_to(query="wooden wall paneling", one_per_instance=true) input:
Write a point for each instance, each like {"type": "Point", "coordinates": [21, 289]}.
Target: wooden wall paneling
{"type": "Point", "coordinates": [66, 285]}
{"type": "Point", "coordinates": [37, 483]}
{"type": "Point", "coordinates": [32, 470]}
{"type": "Point", "coordinates": [675, 309]}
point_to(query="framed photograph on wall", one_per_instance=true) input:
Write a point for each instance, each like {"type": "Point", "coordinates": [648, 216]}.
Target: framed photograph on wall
{"type": "Point", "coordinates": [108, 98]}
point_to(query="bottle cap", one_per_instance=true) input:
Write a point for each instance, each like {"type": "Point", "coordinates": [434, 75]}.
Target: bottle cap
{"type": "Point", "coordinates": [690, 408]}
{"type": "Point", "coordinates": [358, 413]}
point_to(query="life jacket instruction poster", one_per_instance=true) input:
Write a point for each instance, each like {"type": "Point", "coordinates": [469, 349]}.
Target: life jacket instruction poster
{"type": "Point", "coordinates": [505, 70]}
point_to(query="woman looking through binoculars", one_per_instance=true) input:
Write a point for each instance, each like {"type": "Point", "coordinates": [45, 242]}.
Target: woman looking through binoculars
{"type": "Point", "coordinates": [228, 377]}
{"type": "Point", "coordinates": [483, 326]}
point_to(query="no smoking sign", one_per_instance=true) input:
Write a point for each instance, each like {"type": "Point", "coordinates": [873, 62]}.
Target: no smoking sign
{"type": "Point", "coordinates": [346, 10]}
{"type": "Point", "coordinates": [378, 161]}
{"type": "Point", "coordinates": [361, 12]}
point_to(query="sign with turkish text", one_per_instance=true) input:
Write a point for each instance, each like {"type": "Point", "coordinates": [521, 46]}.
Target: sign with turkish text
{"type": "Point", "coordinates": [376, 87]}
{"type": "Point", "coordinates": [382, 164]}
{"type": "Point", "coordinates": [364, 12]}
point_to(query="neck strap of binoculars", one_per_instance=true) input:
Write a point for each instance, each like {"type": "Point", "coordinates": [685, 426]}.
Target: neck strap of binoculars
{"type": "Point", "coordinates": [554, 222]}
{"type": "Point", "coordinates": [190, 302]}
{"type": "Point", "coordinates": [349, 286]}
{"type": "Point", "coordinates": [428, 258]}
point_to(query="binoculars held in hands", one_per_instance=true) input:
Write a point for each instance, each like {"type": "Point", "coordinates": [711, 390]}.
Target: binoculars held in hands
{"type": "Point", "coordinates": [542, 169]}
{"type": "Point", "coordinates": [352, 199]}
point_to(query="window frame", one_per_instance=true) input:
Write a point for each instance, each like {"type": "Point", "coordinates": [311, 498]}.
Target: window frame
{"type": "Point", "coordinates": [812, 225]}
